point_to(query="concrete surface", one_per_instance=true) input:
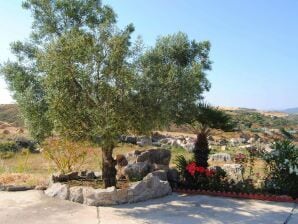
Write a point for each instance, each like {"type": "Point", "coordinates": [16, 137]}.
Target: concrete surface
{"type": "Point", "coordinates": [33, 207]}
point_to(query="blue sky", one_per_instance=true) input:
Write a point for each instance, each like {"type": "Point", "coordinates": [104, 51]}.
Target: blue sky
{"type": "Point", "coordinates": [254, 43]}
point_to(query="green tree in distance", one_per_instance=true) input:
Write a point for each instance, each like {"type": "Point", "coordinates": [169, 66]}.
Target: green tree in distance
{"type": "Point", "coordinates": [81, 77]}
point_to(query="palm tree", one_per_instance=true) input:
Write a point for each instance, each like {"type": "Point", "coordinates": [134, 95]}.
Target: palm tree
{"type": "Point", "coordinates": [202, 118]}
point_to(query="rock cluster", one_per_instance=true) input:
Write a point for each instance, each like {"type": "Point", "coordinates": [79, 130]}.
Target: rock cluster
{"type": "Point", "coordinates": [83, 175]}
{"type": "Point", "coordinates": [159, 140]}
{"type": "Point", "coordinates": [137, 164]}
{"type": "Point", "coordinates": [150, 187]}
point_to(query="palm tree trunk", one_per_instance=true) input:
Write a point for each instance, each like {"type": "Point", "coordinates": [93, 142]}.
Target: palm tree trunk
{"type": "Point", "coordinates": [201, 151]}
{"type": "Point", "coordinates": [108, 167]}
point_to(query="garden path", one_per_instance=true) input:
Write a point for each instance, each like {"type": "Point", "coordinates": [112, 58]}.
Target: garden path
{"type": "Point", "coordinates": [33, 207]}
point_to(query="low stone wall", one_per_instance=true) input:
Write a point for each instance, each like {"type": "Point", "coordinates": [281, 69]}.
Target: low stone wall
{"type": "Point", "coordinates": [150, 187]}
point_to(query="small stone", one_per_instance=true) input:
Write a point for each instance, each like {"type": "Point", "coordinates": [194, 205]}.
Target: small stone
{"type": "Point", "coordinates": [90, 175]}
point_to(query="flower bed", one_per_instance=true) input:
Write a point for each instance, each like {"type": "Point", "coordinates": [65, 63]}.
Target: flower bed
{"type": "Point", "coordinates": [264, 197]}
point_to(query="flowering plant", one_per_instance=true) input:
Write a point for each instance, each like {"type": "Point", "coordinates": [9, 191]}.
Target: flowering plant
{"type": "Point", "coordinates": [192, 169]}
{"type": "Point", "coordinates": [240, 158]}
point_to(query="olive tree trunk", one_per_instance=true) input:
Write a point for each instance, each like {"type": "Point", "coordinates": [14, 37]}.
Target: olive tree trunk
{"type": "Point", "coordinates": [108, 167]}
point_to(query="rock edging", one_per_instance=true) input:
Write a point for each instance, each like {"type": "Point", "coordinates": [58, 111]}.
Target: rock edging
{"type": "Point", "coordinates": [150, 187]}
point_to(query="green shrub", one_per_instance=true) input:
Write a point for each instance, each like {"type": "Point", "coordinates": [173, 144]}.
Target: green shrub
{"type": "Point", "coordinates": [8, 147]}
{"type": "Point", "coordinates": [282, 173]}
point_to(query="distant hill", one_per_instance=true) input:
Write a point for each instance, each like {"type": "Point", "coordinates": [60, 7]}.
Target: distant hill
{"type": "Point", "coordinates": [250, 110]}
{"type": "Point", "coordinates": [291, 110]}
{"type": "Point", "coordinates": [9, 113]}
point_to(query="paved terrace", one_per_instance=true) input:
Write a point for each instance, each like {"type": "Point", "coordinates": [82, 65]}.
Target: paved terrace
{"type": "Point", "coordinates": [33, 207]}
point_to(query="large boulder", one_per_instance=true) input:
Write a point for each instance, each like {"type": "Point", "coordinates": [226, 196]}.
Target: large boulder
{"type": "Point", "coordinates": [99, 197]}
{"type": "Point", "coordinates": [136, 171]}
{"type": "Point", "coordinates": [220, 157]}
{"type": "Point", "coordinates": [161, 174]}
{"type": "Point", "coordinates": [158, 156]}
{"type": "Point", "coordinates": [58, 190]}
{"type": "Point", "coordinates": [150, 187]}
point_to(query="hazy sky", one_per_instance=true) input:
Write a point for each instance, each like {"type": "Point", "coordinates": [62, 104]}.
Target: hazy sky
{"type": "Point", "coordinates": [254, 43]}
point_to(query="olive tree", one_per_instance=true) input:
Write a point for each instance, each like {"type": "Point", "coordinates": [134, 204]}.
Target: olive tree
{"type": "Point", "coordinates": [81, 77]}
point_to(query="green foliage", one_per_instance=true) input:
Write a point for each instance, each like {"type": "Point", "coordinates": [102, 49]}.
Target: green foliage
{"type": "Point", "coordinates": [80, 76]}
{"type": "Point", "coordinates": [282, 162]}
{"type": "Point", "coordinates": [181, 163]}
{"type": "Point", "coordinates": [8, 147]}
{"type": "Point", "coordinates": [286, 134]}
{"type": "Point", "coordinates": [251, 120]}
{"type": "Point", "coordinates": [172, 79]}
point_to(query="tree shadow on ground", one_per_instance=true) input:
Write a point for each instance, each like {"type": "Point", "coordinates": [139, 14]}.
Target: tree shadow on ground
{"type": "Point", "coordinates": [182, 209]}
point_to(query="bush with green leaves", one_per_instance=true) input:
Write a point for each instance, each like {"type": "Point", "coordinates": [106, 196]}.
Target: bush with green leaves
{"type": "Point", "coordinates": [8, 147]}
{"type": "Point", "coordinates": [282, 172]}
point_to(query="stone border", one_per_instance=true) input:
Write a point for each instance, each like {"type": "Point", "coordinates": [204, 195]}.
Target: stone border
{"type": "Point", "coordinates": [150, 187]}
{"type": "Point", "coordinates": [16, 188]}
{"type": "Point", "coordinates": [263, 197]}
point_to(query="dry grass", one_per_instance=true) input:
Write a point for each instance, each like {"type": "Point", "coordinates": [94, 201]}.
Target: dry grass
{"type": "Point", "coordinates": [35, 169]}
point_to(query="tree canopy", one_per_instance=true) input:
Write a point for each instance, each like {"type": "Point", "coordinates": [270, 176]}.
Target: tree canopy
{"type": "Point", "coordinates": [82, 77]}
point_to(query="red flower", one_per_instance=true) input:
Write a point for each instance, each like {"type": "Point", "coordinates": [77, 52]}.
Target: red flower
{"type": "Point", "coordinates": [209, 172]}
{"type": "Point", "coordinates": [200, 169]}
{"type": "Point", "coordinates": [191, 168]}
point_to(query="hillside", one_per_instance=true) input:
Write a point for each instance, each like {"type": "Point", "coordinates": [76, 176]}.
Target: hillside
{"type": "Point", "coordinates": [246, 119]}
{"type": "Point", "coordinates": [9, 113]}
{"type": "Point", "coordinates": [291, 110]}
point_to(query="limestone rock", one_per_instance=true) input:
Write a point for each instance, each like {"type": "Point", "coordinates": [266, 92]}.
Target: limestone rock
{"type": "Point", "coordinates": [220, 157]}
{"type": "Point", "coordinates": [150, 187]}
{"type": "Point", "coordinates": [158, 156]}
{"type": "Point", "coordinates": [76, 194]}
{"type": "Point", "coordinates": [58, 190]}
{"type": "Point", "coordinates": [136, 171]}
{"type": "Point", "coordinates": [99, 197]}
{"type": "Point", "coordinates": [161, 174]}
